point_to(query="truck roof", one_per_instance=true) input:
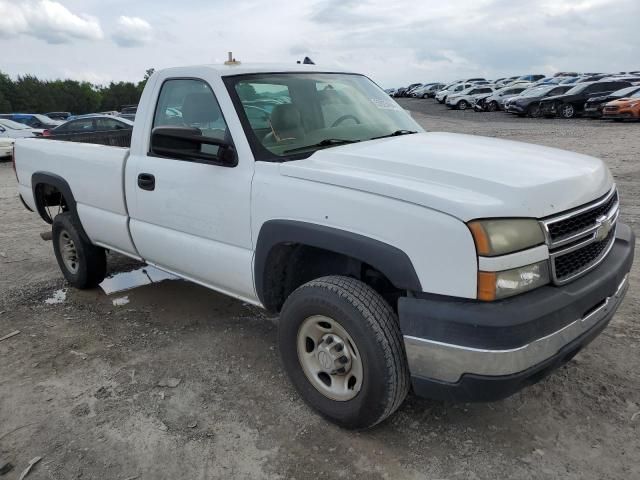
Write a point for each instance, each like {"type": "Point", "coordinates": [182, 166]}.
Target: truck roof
{"type": "Point", "coordinates": [249, 68]}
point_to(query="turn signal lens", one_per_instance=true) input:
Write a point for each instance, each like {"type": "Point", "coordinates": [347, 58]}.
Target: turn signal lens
{"type": "Point", "coordinates": [497, 285]}
{"type": "Point", "coordinates": [487, 286]}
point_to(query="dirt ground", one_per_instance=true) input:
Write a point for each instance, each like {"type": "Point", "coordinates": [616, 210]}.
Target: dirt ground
{"type": "Point", "coordinates": [79, 384]}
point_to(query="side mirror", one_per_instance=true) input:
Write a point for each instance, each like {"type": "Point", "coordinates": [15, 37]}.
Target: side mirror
{"type": "Point", "coordinates": [2, 129]}
{"type": "Point", "coordinates": [187, 143]}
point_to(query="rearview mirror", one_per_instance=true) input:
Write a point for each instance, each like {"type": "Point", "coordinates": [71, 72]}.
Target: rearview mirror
{"type": "Point", "coordinates": [187, 143]}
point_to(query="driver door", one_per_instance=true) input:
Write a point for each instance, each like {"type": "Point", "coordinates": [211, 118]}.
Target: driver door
{"type": "Point", "coordinates": [192, 217]}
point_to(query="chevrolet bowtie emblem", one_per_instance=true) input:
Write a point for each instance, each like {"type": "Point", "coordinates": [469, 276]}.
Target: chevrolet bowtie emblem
{"type": "Point", "coordinates": [604, 226]}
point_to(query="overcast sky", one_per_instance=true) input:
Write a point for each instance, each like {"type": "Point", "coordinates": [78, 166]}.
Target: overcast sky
{"type": "Point", "coordinates": [395, 42]}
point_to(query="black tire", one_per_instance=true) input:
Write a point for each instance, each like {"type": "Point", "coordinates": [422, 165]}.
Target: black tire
{"type": "Point", "coordinates": [372, 325]}
{"type": "Point", "coordinates": [493, 106]}
{"type": "Point", "coordinates": [462, 105]}
{"type": "Point", "coordinates": [91, 261]}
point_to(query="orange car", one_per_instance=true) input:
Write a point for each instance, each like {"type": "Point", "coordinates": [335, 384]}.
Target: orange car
{"type": "Point", "coordinates": [625, 108]}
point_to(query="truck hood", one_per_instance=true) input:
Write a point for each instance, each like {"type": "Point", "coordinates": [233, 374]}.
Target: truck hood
{"type": "Point", "coordinates": [461, 175]}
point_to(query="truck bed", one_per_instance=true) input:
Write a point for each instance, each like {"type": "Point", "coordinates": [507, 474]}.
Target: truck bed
{"type": "Point", "coordinates": [95, 175]}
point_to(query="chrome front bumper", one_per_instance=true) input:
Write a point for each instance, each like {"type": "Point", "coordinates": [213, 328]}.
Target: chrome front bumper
{"type": "Point", "coordinates": [446, 362]}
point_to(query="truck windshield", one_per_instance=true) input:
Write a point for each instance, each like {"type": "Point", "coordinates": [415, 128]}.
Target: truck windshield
{"type": "Point", "coordinates": [291, 115]}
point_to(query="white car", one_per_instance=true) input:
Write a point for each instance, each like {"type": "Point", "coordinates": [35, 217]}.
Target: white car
{"type": "Point", "coordinates": [6, 147]}
{"type": "Point", "coordinates": [452, 89]}
{"type": "Point", "coordinates": [467, 98]}
{"type": "Point", "coordinates": [466, 267]}
{"type": "Point", "coordinates": [11, 129]}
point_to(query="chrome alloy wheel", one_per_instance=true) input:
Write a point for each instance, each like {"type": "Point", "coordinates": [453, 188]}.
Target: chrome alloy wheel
{"type": "Point", "coordinates": [567, 111]}
{"type": "Point", "coordinates": [329, 358]}
{"type": "Point", "coordinates": [68, 252]}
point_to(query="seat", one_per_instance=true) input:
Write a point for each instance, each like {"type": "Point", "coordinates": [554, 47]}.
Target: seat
{"type": "Point", "coordinates": [286, 124]}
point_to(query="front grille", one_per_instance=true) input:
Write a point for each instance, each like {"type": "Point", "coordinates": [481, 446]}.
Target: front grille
{"type": "Point", "coordinates": [579, 240]}
{"type": "Point", "coordinates": [587, 219]}
{"type": "Point", "coordinates": [572, 264]}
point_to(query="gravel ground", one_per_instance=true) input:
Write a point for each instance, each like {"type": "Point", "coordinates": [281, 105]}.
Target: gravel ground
{"type": "Point", "coordinates": [79, 384]}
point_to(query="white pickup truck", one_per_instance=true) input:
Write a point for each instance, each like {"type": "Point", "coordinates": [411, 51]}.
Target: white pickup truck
{"type": "Point", "coordinates": [464, 267]}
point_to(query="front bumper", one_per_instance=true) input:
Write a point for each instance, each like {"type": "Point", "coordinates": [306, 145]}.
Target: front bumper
{"type": "Point", "coordinates": [593, 111]}
{"type": "Point", "coordinates": [623, 115]}
{"type": "Point", "coordinates": [467, 350]}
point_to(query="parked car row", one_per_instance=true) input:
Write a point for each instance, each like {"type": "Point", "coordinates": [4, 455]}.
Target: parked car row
{"type": "Point", "coordinates": [565, 95]}
{"type": "Point", "coordinates": [21, 125]}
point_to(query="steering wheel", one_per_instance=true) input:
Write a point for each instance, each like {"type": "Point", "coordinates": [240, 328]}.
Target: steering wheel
{"type": "Point", "coordinates": [343, 118]}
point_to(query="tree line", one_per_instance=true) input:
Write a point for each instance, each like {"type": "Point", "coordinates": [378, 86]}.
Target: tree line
{"type": "Point", "coordinates": [29, 94]}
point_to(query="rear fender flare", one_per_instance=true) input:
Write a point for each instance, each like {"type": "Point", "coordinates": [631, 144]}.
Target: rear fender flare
{"type": "Point", "coordinates": [47, 178]}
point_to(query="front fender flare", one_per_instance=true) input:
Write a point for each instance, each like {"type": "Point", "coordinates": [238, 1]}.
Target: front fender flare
{"type": "Point", "coordinates": [389, 260]}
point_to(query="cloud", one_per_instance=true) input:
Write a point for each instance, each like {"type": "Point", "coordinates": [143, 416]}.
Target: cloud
{"type": "Point", "coordinates": [46, 20]}
{"type": "Point", "coordinates": [395, 42]}
{"type": "Point", "coordinates": [344, 12]}
{"type": "Point", "coordinates": [132, 32]}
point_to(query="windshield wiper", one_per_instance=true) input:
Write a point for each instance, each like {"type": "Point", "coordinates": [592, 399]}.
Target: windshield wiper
{"type": "Point", "coordinates": [327, 142]}
{"type": "Point", "coordinates": [397, 133]}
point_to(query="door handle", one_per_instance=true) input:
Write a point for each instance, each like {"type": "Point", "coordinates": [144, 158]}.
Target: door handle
{"type": "Point", "coordinates": [146, 181]}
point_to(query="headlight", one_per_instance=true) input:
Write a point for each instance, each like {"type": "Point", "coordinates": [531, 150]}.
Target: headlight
{"type": "Point", "coordinates": [497, 285]}
{"type": "Point", "coordinates": [499, 237]}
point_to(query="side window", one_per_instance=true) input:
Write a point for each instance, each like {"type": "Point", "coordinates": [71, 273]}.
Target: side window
{"type": "Point", "coordinates": [110, 124]}
{"type": "Point", "coordinates": [33, 122]}
{"type": "Point", "coordinates": [598, 87]}
{"type": "Point", "coordinates": [191, 103]}
{"type": "Point", "coordinates": [79, 126]}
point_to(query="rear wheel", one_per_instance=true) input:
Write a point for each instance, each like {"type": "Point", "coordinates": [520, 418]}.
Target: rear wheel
{"type": "Point", "coordinates": [341, 346]}
{"type": "Point", "coordinates": [83, 265]}
{"type": "Point", "coordinates": [493, 106]}
{"type": "Point", "coordinates": [463, 105]}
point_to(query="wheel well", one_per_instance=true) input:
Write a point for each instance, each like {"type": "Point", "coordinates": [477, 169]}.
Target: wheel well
{"type": "Point", "coordinates": [49, 201]}
{"type": "Point", "coordinates": [290, 265]}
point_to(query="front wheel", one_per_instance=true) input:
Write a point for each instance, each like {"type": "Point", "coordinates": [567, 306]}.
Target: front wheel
{"type": "Point", "coordinates": [534, 111]}
{"type": "Point", "coordinates": [493, 106]}
{"type": "Point", "coordinates": [567, 111]}
{"type": "Point", "coordinates": [83, 265]}
{"type": "Point", "coordinates": [341, 346]}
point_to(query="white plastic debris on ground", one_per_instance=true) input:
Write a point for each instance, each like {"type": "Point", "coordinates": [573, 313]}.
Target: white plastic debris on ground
{"type": "Point", "coordinates": [59, 296]}
{"type": "Point", "coordinates": [120, 301]}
